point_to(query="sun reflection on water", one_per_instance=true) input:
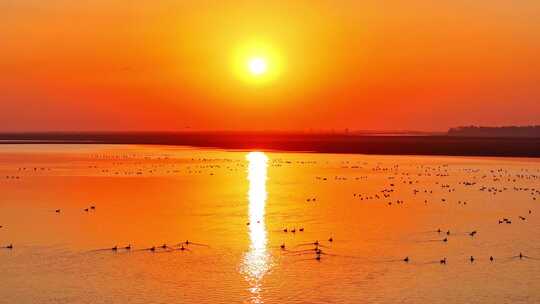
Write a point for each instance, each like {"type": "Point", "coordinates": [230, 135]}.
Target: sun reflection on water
{"type": "Point", "coordinates": [257, 260]}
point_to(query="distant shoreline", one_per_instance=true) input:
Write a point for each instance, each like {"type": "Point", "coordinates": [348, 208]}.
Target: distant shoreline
{"type": "Point", "coordinates": [301, 142]}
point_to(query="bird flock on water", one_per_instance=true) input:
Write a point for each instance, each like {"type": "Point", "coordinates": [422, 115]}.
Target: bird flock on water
{"type": "Point", "coordinates": [439, 192]}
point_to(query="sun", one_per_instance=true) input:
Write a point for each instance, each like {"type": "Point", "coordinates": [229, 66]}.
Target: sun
{"type": "Point", "coordinates": [257, 66]}
{"type": "Point", "coordinates": [256, 63]}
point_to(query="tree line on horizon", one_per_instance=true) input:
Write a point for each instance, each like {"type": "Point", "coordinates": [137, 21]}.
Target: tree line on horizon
{"type": "Point", "coordinates": [505, 131]}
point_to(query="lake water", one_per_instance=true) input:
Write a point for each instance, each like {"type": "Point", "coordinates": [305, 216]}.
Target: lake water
{"type": "Point", "coordinates": [233, 208]}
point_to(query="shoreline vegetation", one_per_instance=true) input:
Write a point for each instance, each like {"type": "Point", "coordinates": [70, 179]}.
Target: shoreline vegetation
{"type": "Point", "coordinates": [463, 141]}
{"type": "Point", "coordinates": [509, 131]}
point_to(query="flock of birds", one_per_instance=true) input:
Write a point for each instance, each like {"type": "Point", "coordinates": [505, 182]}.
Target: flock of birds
{"type": "Point", "coordinates": [389, 194]}
{"type": "Point", "coordinates": [442, 171]}
{"type": "Point", "coordinates": [183, 246]}
{"type": "Point", "coordinates": [318, 248]}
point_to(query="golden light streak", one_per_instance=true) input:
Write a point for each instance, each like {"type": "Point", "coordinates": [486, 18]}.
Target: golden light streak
{"type": "Point", "coordinates": [256, 262]}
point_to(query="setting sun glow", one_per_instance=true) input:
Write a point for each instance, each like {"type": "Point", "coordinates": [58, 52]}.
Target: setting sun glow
{"type": "Point", "coordinates": [257, 62]}
{"type": "Point", "coordinates": [257, 66]}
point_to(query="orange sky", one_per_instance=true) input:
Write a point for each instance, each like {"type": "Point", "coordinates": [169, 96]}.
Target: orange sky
{"type": "Point", "coordinates": [167, 65]}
